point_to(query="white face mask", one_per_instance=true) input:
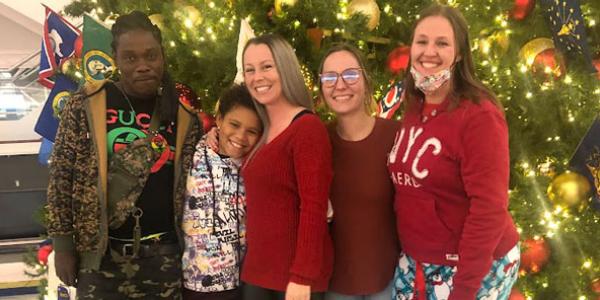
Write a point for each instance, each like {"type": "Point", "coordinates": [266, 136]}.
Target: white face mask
{"type": "Point", "coordinates": [430, 83]}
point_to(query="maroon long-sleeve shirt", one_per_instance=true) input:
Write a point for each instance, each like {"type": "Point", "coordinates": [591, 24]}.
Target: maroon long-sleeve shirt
{"type": "Point", "coordinates": [363, 230]}
{"type": "Point", "coordinates": [287, 187]}
{"type": "Point", "coordinates": [451, 171]}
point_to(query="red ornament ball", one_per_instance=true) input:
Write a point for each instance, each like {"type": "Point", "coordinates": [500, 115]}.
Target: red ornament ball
{"type": "Point", "coordinates": [595, 285]}
{"type": "Point", "coordinates": [534, 256]}
{"type": "Point", "coordinates": [596, 63]}
{"type": "Point", "coordinates": [187, 97]}
{"type": "Point", "coordinates": [515, 294]}
{"type": "Point", "coordinates": [397, 60]}
{"type": "Point", "coordinates": [78, 46]}
{"type": "Point", "coordinates": [42, 254]}
{"type": "Point", "coordinates": [521, 9]}
{"type": "Point", "coordinates": [207, 121]}
{"type": "Point", "coordinates": [551, 60]}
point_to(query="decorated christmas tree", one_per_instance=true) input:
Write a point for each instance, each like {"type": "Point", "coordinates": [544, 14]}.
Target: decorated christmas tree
{"type": "Point", "coordinates": [537, 57]}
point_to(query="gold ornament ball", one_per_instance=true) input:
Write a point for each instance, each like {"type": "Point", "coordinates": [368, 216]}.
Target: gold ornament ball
{"type": "Point", "coordinates": [189, 15]}
{"type": "Point", "coordinates": [280, 3]}
{"type": "Point", "coordinates": [66, 66]}
{"type": "Point", "coordinates": [534, 47]}
{"type": "Point", "coordinates": [368, 8]}
{"type": "Point", "coordinates": [569, 189]}
{"type": "Point", "coordinates": [501, 40]}
{"type": "Point", "coordinates": [70, 65]}
{"type": "Point", "coordinates": [158, 20]}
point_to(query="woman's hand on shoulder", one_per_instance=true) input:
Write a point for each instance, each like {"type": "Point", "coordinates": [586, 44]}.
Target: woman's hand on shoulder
{"type": "Point", "coordinates": [212, 139]}
{"type": "Point", "coordinates": [295, 291]}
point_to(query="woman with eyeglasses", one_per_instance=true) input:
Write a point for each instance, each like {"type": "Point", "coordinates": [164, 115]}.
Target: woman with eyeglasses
{"type": "Point", "coordinates": [364, 225]}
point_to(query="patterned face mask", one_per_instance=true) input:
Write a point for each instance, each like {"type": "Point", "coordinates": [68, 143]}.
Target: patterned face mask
{"type": "Point", "coordinates": [430, 83]}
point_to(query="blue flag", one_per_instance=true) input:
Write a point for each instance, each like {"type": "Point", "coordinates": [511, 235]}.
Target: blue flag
{"type": "Point", "coordinates": [47, 123]}
{"type": "Point", "coordinates": [58, 44]}
{"type": "Point", "coordinates": [566, 23]}
{"type": "Point", "coordinates": [45, 151]}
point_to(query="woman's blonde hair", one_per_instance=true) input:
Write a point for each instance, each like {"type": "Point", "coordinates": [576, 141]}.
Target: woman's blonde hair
{"type": "Point", "coordinates": [292, 82]}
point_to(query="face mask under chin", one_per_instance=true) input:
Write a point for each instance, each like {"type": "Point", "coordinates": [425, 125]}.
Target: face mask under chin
{"type": "Point", "coordinates": [430, 83]}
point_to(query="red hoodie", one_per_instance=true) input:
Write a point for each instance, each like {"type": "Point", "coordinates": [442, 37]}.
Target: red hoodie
{"type": "Point", "coordinates": [451, 172]}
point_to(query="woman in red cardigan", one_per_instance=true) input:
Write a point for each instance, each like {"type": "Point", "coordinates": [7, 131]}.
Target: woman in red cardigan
{"type": "Point", "coordinates": [287, 181]}
{"type": "Point", "coordinates": [450, 167]}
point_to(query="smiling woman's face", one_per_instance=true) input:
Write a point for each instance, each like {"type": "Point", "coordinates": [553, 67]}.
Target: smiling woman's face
{"type": "Point", "coordinates": [433, 46]}
{"type": "Point", "coordinates": [344, 97]}
{"type": "Point", "coordinates": [261, 75]}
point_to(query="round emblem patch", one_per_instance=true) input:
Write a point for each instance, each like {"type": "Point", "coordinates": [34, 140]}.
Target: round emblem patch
{"type": "Point", "coordinates": [97, 64]}
{"type": "Point", "coordinates": [58, 102]}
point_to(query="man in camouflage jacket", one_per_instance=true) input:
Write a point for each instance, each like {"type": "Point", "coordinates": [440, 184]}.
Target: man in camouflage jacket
{"type": "Point", "coordinates": [77, 218]}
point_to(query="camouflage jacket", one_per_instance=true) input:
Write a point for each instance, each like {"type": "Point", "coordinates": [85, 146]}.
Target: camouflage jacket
{"type": "Point", "coordinates": [77, 210]}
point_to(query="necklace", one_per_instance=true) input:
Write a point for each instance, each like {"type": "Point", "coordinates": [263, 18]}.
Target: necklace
{"type": "Point", "coordinates": [118, 85]}
{"type": "Point", "coordinates": [157, 141]}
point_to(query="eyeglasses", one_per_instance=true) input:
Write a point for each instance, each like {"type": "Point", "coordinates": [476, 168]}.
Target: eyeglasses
{"type": "Point", "coordinates": [349, 76]}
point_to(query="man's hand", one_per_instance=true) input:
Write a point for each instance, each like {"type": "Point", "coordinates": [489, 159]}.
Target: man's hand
{"type": "Point", "coordinates": [296, 291]}
{"type": "Point", "coordinates": [65, 263]}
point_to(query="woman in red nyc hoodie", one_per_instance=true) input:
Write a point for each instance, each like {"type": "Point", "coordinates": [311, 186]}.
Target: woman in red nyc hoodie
{"type": "Point", "coordinates": [450, 168]}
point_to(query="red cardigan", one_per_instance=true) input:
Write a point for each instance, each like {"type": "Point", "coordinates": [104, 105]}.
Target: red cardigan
{"type": "Point", "coordinates": [287, 187]}
{"type": "Point", "coordinates": [451, 171]}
